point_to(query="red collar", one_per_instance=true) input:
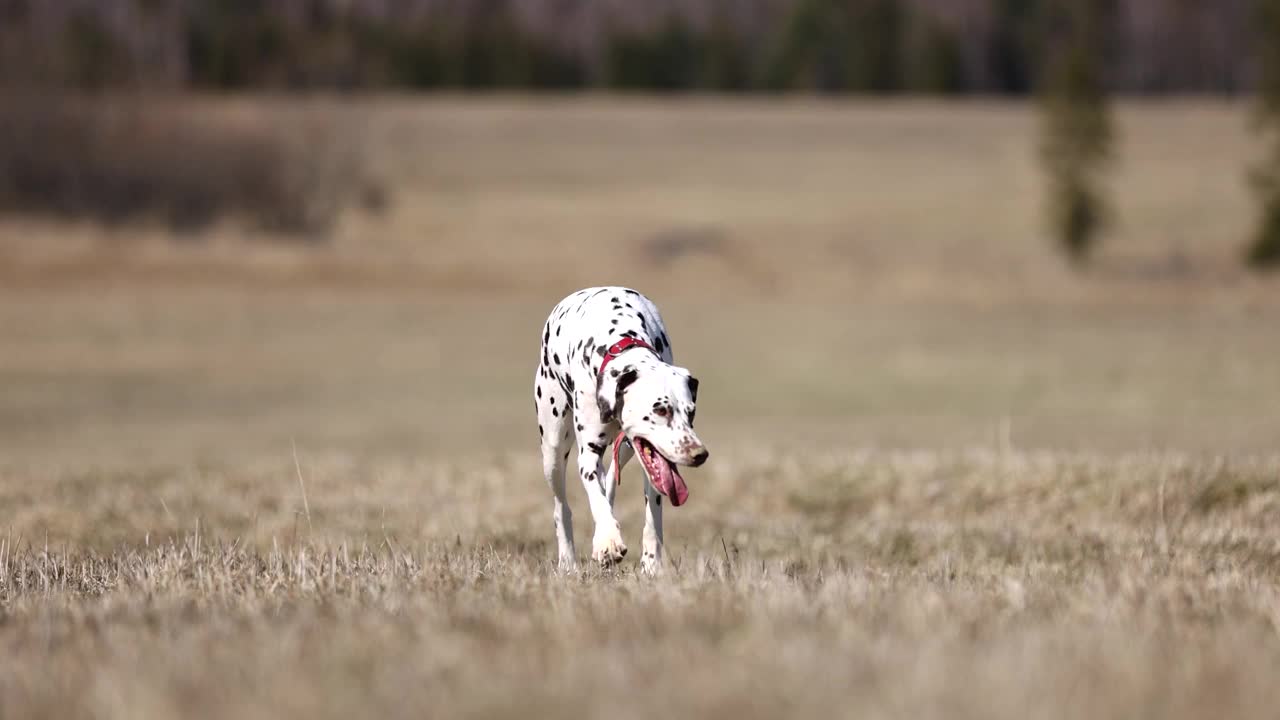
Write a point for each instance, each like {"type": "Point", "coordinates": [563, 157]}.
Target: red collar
{"type": "Point", "coordinates": [617, 348]}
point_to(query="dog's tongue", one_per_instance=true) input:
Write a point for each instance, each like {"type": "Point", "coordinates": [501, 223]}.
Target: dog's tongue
{"type": "Point", "coordinates": [670, 483]}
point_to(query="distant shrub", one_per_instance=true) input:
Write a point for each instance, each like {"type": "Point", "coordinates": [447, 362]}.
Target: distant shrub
{"type": "Point", "coordinates": [116, 161]}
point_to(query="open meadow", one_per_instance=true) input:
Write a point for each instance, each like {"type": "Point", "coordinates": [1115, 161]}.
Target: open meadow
{"type": "Point", "coordinates": [245, 476]}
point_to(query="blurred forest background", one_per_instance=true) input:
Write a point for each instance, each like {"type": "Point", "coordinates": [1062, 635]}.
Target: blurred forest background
{"type": "Point", "coordinates": [872, 46]}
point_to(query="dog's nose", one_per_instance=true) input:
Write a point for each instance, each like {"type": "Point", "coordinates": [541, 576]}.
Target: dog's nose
{"type": "Point", "coordinates": [700, 458]}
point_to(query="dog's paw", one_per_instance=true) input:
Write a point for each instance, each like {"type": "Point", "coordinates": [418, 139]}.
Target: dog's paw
{"type": "Point", "coordinates": [650, 564]}
{"type": "Point", "coordinates": [607, 547]}
{"type": "Point", "coordinates": [567, 564]}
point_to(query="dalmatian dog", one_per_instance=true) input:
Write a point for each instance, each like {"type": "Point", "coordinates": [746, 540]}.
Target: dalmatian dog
{"type": "Point", "coordinates": [605, 375]}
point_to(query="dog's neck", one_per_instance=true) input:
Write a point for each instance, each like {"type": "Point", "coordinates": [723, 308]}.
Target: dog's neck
{"type": "Point", "coordinates": [624, 345]}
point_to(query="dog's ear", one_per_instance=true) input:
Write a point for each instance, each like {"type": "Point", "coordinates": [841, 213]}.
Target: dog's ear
{"type": "Point", "coordinates": [612, 387]}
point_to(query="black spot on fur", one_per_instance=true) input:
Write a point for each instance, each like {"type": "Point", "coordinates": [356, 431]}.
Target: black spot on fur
{"type": "Point", "coordinates": [556, 359]}
{"type": "Point", "coordinates": [540, 431]}
{"type": "Point", "coordinates": [539, 391]}
{"type": "Point", "coordinates": [558, 330]}
{"type": "Point", "coordinates": [597, 448]}
{"type": "Point", "coordinates": [658, 345]}
{"type": "Point", "coordinates": [579, 427]}
{"type": "Point", "coordinates": [600, 435]}
{"type": "Point", "coordinates": [613, 321]}
{"type": "Point", "coordinates": [546, 334]}
{"type": "Point", "coordinates": [614, 298]}
{"type": "Point", "coordinates": [646, 418]}
{"type": "Point", "coordinates": [555, 412]}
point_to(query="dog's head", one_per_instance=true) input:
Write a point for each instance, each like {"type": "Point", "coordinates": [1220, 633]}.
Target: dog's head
{"type": "Point", "coordinates": [655, 404]}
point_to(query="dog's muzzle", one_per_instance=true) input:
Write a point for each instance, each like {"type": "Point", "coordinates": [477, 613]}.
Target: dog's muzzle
{"type": "Point", "coordinates": [700, 458]}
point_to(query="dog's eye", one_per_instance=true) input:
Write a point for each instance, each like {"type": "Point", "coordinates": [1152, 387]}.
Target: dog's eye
{"type": "Point", "coordinates": [660, 412]}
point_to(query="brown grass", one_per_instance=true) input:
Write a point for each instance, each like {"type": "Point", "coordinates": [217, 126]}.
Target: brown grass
{"type": "Point", "coordinates": [948, 478]}
{"type": "Point", "coordinates": [966, 585]}
{"type": "Point", "coordinates": [159, 560]}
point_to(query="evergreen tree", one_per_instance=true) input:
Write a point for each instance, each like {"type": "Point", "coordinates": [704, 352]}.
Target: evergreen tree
{"type": "Point", "coordinates": [1077, 126]}
{"type": "Point", "coordinates": [1264, 250]}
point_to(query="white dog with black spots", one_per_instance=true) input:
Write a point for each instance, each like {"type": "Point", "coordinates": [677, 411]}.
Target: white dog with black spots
{"type": "Point", "coordinates": [605, 374]}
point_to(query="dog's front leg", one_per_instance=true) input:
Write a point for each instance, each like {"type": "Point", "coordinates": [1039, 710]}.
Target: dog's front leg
{"type": "Point", "coordinates": [607, 547]}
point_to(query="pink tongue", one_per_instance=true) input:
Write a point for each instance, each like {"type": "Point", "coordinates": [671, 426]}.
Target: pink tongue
{"type": "Point", "coordinates": [670, 483]}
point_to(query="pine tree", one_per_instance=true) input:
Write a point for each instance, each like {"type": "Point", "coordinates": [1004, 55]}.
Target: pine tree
{"type": "Point", "coordinates": [1077, 125]}
{"type": "Point", "coordinates": [1264, 250]}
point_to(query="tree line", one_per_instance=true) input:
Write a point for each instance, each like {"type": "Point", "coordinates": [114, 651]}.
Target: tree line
{"type": "Point", "coordinates": [831, 46]}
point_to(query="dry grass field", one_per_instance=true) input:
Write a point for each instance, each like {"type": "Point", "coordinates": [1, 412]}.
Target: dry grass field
{"type": "Point", "coordinates": [949, 477]}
